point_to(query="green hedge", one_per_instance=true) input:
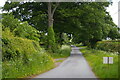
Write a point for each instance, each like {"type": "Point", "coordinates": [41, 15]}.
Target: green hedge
{"type": "Point", "coordinates": [17, 47]}
{"type": "Point", "coordinates": [112, 46]}
{"type": "Point", "coordinates": [51, 40]}
{"type": "Point", "coordinates": [23, 57]}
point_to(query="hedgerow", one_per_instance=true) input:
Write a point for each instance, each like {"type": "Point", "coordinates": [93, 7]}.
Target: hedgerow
{"type": "Point", "coordinates": [112, 46]}
{"type": "Point", "coordinates": [22, 57]}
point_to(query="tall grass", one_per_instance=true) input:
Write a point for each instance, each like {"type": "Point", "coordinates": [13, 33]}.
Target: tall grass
{"type": "Point", "coordinates": [38, 63]}
{"type": "Point", "coordinates": [63, 52]}
{"type": "Point", "coordinates": [95, 60]}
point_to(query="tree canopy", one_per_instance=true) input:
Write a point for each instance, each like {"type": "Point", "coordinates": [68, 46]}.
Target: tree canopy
{"type": "Point", "coordinates": [84, 22]}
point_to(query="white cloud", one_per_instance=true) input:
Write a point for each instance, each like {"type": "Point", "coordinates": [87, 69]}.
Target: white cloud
{"type": "Point", "coordinates": [113, 10]}
{"type": "Point", "coordinates": [2, 2]}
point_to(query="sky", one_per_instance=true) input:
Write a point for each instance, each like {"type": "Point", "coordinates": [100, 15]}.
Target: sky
{"type": "Point", "coordinates": [112, 9]}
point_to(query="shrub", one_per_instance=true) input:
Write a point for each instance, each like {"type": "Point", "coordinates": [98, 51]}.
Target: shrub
{"type": "Point", "coordinates": [20, 29]}
{"type": "Point", "coordinates": [22, 57]}
{"type": "Point", "coordinates": [10, 21]}
{"type": "Point", "coordinates": [26, 31]}
{"type": "Point", "coordinates": [112, 46]}
{"type": "Point", "coordinates": [63, 52]}
{"type": "Point", "coordinates": [51, 40]}
{"type": "Point", "coordinates": [16, 46]}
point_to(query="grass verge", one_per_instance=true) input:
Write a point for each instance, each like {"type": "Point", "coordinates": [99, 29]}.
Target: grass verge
{"type": "Point", "coordinates": [63, 52]}
{"type": "Point", "coordinates": [37, 64]}
{"type": "Point", "coordinates": [95, 60]}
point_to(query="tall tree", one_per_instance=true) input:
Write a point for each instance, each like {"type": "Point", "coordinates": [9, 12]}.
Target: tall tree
{"type": "Point", "coordinates": [51, 35]}
{"type": "Point", "coordinates": [86, 22]}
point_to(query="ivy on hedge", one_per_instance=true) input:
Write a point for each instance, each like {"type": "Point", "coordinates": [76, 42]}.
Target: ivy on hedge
{"type": "Point", "coordinates": [51, 40]}
{"type": "Point", "coordinates": [112, 46]}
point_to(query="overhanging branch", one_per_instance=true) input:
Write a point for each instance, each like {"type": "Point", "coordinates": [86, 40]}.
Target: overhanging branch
{"type": "Point", "coordinates": [57, 4]}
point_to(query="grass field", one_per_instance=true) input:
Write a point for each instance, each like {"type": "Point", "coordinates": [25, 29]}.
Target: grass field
{"type": "Point", "coordinates": [95, 60]}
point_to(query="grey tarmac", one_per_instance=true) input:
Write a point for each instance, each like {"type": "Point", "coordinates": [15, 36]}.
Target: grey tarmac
{"type": "Point", "coordinates": [74, 66]}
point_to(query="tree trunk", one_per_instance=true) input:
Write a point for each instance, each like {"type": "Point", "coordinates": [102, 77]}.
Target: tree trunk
{"type": "Point", "coordinates": [51, 34]}
{"type": "Point", "coordinates": [50, 15]}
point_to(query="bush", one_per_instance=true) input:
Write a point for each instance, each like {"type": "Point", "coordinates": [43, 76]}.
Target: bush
{"type": "Point", "coordinates": [16, 46]}
{"type": "Point", "coordinates": [112, 46]}
{"type": "Point", "coordinates": [51, 40]}
{"type": "Point", "coordinates": [26, 31]}
{"type": "Point", "coordinates": [22, 57]}
{"type": "Point", "coordinates": [63, 52]}
{"type": "Point", "coordinates": [20, 29]}
{"type": "Point", "coordinates": [9, 21]}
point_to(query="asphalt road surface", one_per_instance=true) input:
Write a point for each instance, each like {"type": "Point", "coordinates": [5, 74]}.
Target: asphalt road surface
{"type": "Point", "coordinates": [74, 66]}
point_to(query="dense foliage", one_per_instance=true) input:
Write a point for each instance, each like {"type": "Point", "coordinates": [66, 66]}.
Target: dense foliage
{"type": "Point", "coordinates": [83, 22]}
{"type": "Point", "coordinates": [51, 39]}
{"type": "Point", "coordinates": [114, 33]}
{"type": "Point", "coordinates": [16, 46]}
{"type": "Point", "coordinates": [23, 56]}
{"type": "Point", "coordinates": [21, 52]}
{"type": "Point", "coordinates": [112, 46]}
{"type": "Point", "coordinates": [95, 26]}
{"type": "Point", "coordinates": [20, 29]}
{"type": "Point", "coordinates": [28, 24]}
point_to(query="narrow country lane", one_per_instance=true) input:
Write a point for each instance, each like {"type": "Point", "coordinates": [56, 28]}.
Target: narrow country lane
{"type": "Point", "coordinates": [73, 67]}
